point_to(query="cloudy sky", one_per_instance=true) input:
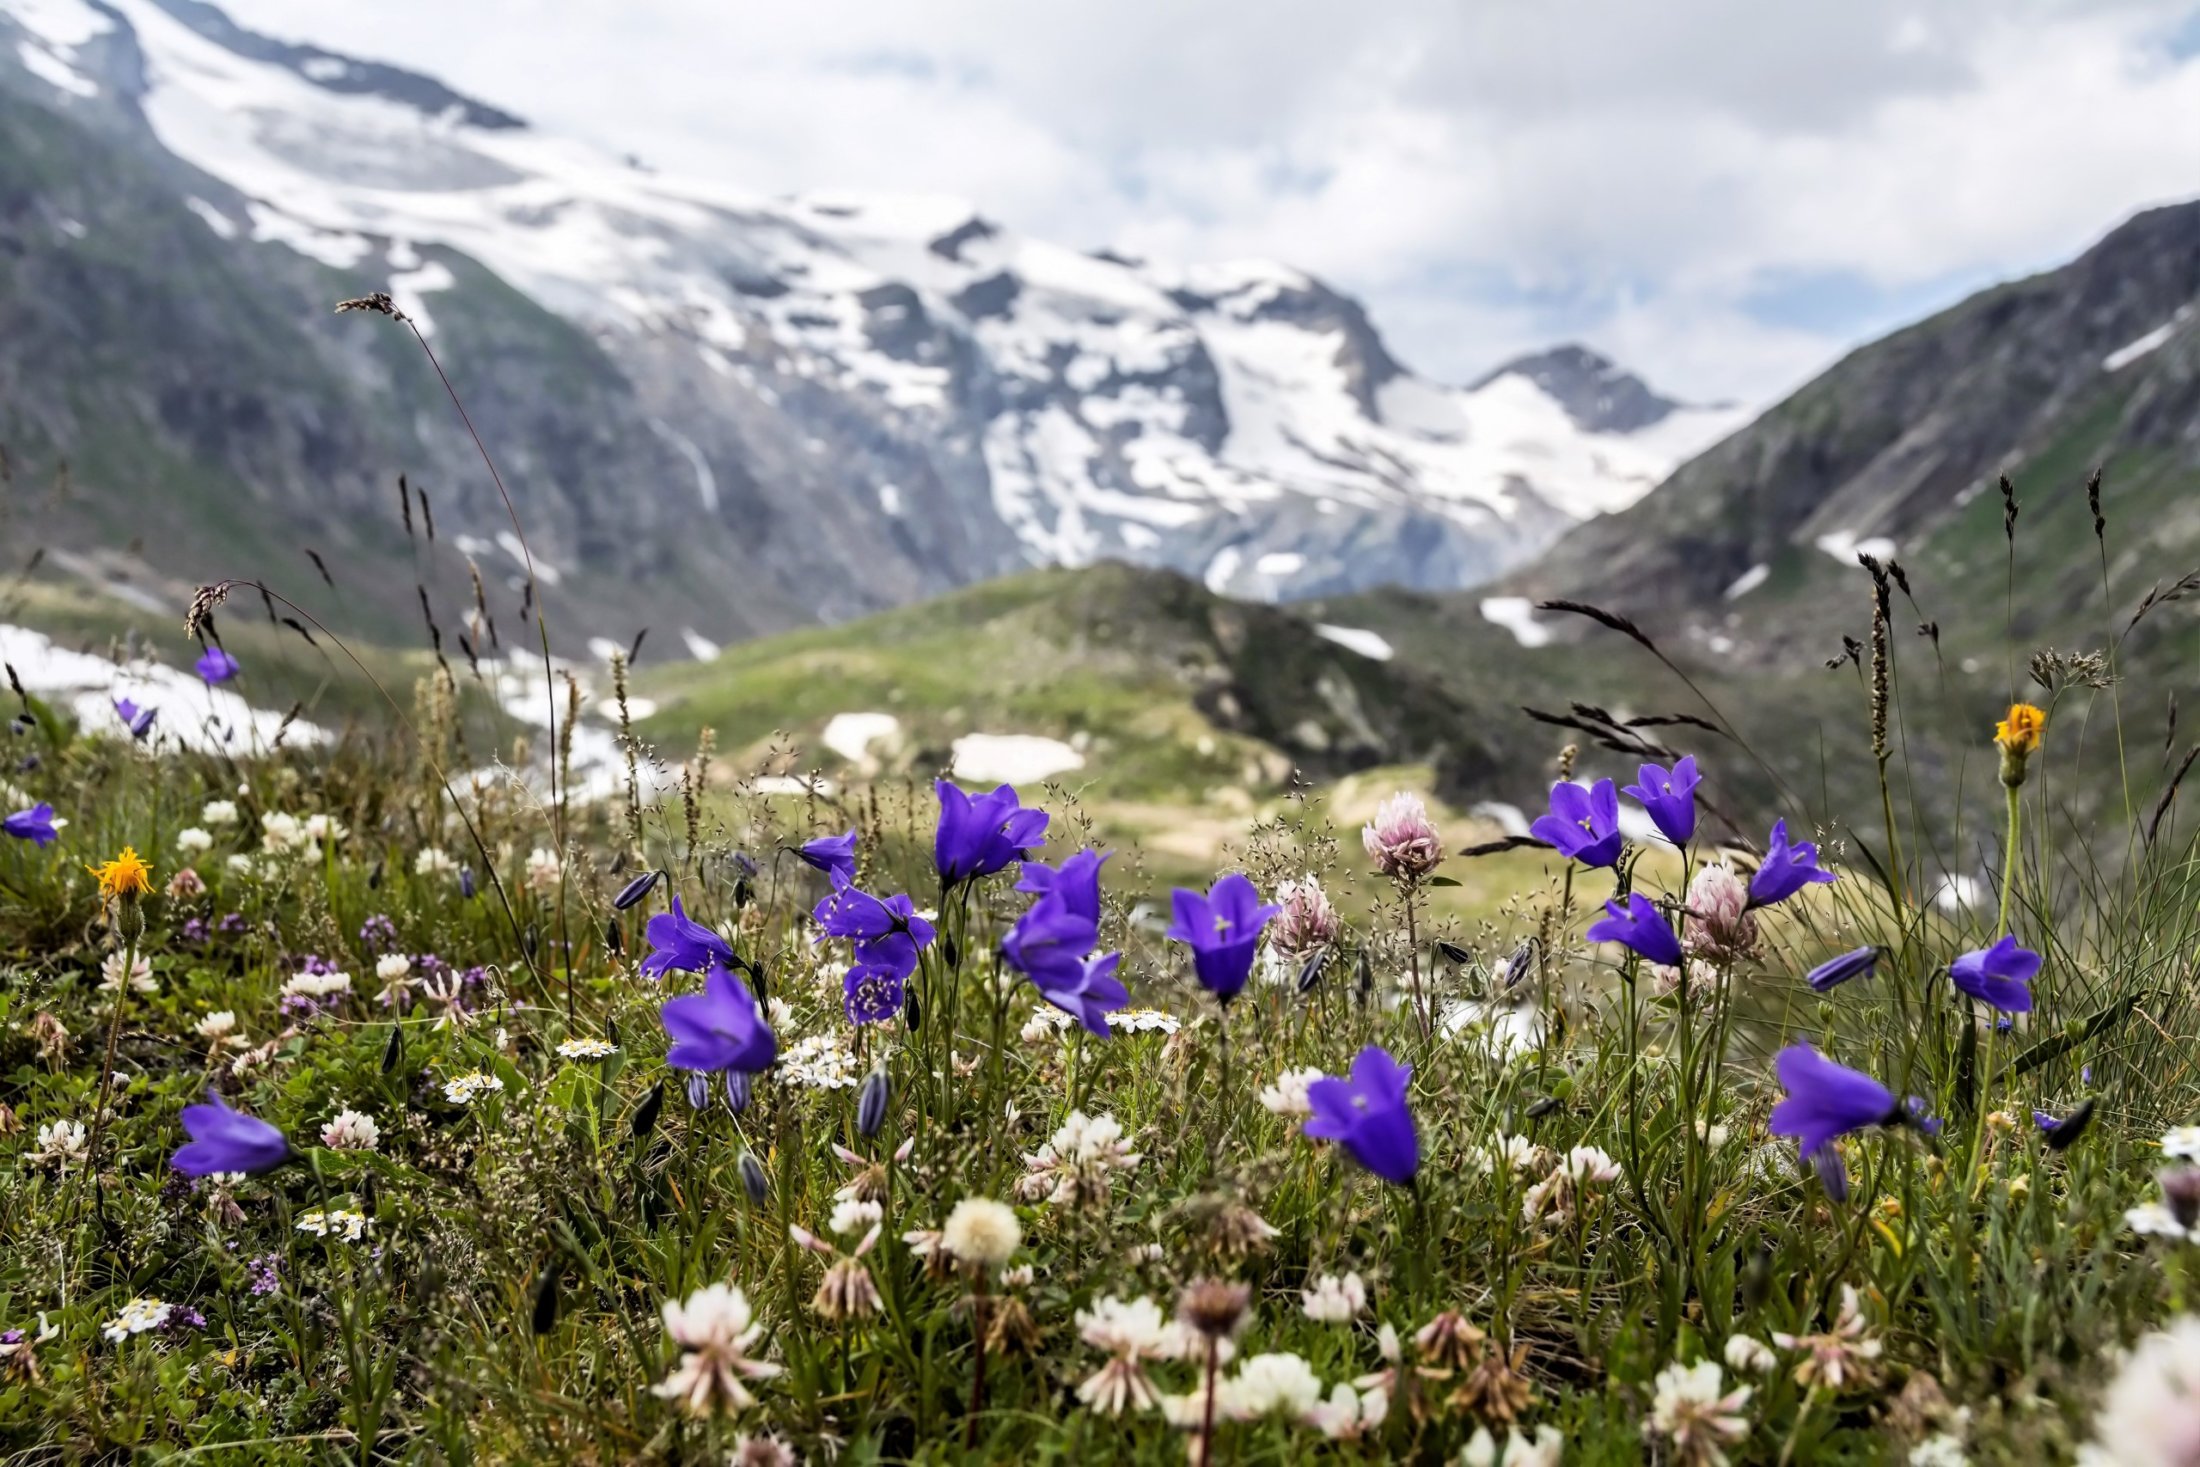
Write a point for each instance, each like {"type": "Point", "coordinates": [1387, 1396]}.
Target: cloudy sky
{"type": "Point", "coordinates": [1721, 193]}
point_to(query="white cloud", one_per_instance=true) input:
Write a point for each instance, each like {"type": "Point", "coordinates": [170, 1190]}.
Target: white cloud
{"type": "Point", "coordinates": [1487, 176]}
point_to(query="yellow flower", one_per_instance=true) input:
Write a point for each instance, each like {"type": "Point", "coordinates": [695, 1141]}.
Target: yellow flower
{"type": "Point", "coordinates": [125, 876]}
{"type": "Point", "coordinates": [2020, 732]}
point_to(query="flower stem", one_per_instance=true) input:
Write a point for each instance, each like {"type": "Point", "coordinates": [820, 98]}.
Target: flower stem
{"type": "Point", "coordinates": [2009, 857]}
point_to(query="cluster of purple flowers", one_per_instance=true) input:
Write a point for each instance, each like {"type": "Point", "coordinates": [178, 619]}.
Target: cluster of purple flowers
{"type": "Point", "coordinates": [378, 934]}
{"type": "Point", "coordinates": [264, 1274]}
{"type": "Point", "coordinates": [721, 1029]}
{"type": "Point", "coordinates": [1053, 943]}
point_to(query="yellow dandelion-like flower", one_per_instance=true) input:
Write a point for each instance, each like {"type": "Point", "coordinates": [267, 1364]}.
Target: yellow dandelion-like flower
{"type": "Point", "coordinates": [2020, 732]}
{"type": "Point", "coordinates": [125, 876]}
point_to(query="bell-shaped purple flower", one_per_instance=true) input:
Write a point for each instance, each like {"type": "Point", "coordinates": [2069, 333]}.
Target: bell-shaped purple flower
{"type": "Point", "coordinates": [1076, 881]}
{"type": "Point", "coordinates": [1091, 993]}
{"type": "Point", "coordinates": [2000, 975]}
{"type": "Point", "coordinates": [885, 933]}
{"type": "Point", "coordinates": [2060, 1133]}
{"type": "Point", "coordinates": [1834, 972]}
{"type": "Point", "coordinates": [217, 666]}
{"type": "Point", "coordinates": [719, 1028]}
{"type": "Point", "coordinates": [138, 720]}
{"type": "Point", "coordinates": [1640, 926]}
{"type": "Point", "coordinates": [1583, 824]}
{"type": "Point", "coordinates": [678, 941]}
{"type": "Point", "coordinates": [835, 855]}
{"type": "Point", "coordinates": [1787, 869]}
{"type": "Point", "coordinates": [980, 836]}
{"type": "Point", "coordinates": [872, 994]}
{"type": "Point", "coordinates": [225, 1140]}
{"type": "Point", "coordinates": [1826, 1101]}
{"type": "Point", "coordinates": [1670, 798]}
{"type": "Point", "coordinates": [1367, 1115]}
{"type": "Point", "coordinates": [1222, 928]}
{"type": "Point", "coordinates": [34, 825]}
{"type": "Point", "coordinates": [1049, 942]}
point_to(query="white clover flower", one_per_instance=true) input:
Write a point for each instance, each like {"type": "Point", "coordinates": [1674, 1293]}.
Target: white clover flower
{"type": "Point", "coordinates": [1287, 1097]}
{"type": "Point", "coordinates": [392, 967]}
{"type": "Point", "coordinates": [1131, 1333]}
{"type": "Point", "coordinates": [218, 1025]}
{"type": "Point", "coordinates": [1334, 1300]}
{"type": "Point", "coordinates": [586, 1049]}
{"type": "Point", "coordinates": [351, 1130]}
{"type": "Point", "coordinates": [321, 829]}
{"type": "Point", "coordinates": [981, 1232]}
{"type": "Point", "coordinates": [1076, 1165]}
{"type": "Point", "coordinates": [338, 1222]}
{"type": "Point", "coordinates": [1747, 1356]}
{"type": "Point", "coordinates": [715, 1331]}
{"type": "Point", "coordinates": [467, 1088]}
{"type": "Point", "coordinates": [434, 861]}
{"type": "Point", "coordinates": [1546, 1449]}
{"type": "Point", "coordinates": [819, 1062]}
{"type": "Point", "coordinates": [1349, 1414]}
{"type": "Point", "coordinates": [61, 1144]}
{"type": "Point", "coordinates": [316, 986]}
{"type": "Point", "coordinates": [280, 833]}
{"type": "Point", "coordinates": [1275, 1384]}
{"type": "Point", "coordinates": [239, 865]}
{"type": "Point", "coordinates": [1693, 1409]}
{"type": "Point", "coordinates": [141, 974]}
{"type": "Point", "coordinates": [2150, 1414]}
{"type": "Point", "coordinates": [219, 813]}
{"type": "Point", "coordinates": [192, 841]}
{"type": "Point", "coordinates": [1839, 1355]}
{"type": "Point", "coordinates": [852, 1216]}
{"type": "Point", "coordinates": [136, 1317]}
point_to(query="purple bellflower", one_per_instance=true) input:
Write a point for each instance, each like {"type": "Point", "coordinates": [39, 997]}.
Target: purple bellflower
{"type": "Point", "coordinates": [980, 836]}
{"type": "Point", "coordinates": [679, 941]}
{"type": "Point", "coordinates": [1367, 1115]}
{"type": "Point", "coordinates": [1222, 928]}
{"type": "Point", "coordinates": [885, 934]}
{"type": "Point", "coordinates": [1999, 975]}
{"type": "Point", "coordinates": [835, 855]}
{"type": "Point", "coordinates": [1641, 927]}
{"type": "Point", "coordinates": [1076, 881]}
{"type": "Point", "coordinates": [225, 1140]}
{"type": "Point", "coordinates": [1583, 824]}
{"type": "Point", "coordinates": [217, 666]}
{"type": "Point", "coordinates": [719, 1028]}
{"type": "Point", "coordinates": [1834, 972]}
{"type": "Point", "coordinates": [1670, 798]}
{"type": "Point", "coordinates": [1049, 942]}
{"type": "Point", "coordinates": [138, 720]}
{"type": "Point", "coordinates": [1787, 869]}
{"type": "Point", "coordinates": [1092, 994]}
{"type": "Point", "coordinates": [1826, 1101]}
{"type": "Point", "coordinates": [2061, 1133]}
{"type": "Point", "coordinates": [34, 825]}
{"type": "Point", "coordinates": [872, 993]}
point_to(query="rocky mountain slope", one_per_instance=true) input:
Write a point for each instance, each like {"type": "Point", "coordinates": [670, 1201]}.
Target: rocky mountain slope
{"type": "Point", "coordinates": [718, 412]}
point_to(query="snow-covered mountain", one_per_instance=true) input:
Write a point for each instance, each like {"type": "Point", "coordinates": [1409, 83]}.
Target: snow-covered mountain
{"type": "Point", "coordinates": [935, 397]}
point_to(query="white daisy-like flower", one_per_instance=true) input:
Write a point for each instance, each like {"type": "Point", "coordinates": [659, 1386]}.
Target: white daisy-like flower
{"type": "Point", "coordinates": [586, 1049]}
{"type": "Point", "coordinates": [1334, 1300]}
{"type": "Point", "coordinates": [135, 1318]}
{"type": "Point", "coordinates": [467, 1088]}
{"type": "Point", "coordinates": [2182, 1143]}
{"type": "Point", "coordinates": [192, 841]}
{"type": "Point", "coordinates": [337, 1222]}
{"type": "Point", "coordinates": [819, 1062]}
{"type": "Point", "coordinates": [1143, 1021]}
{"type": "Point", "coordinates": [219, 813]}
{"type": "Point", "coordinates": [141, 974]}
{"type": "Point", "coordinates": [434, 861]}
{"type": "Point", "coordinates": [351, 1130]}
{"type": "Point", "coordinates": [1287, 1097]}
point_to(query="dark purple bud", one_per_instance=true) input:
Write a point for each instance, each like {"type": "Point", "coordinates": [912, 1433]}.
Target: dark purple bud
{"type": "Point", "coordinates": [752, 1178]}
{"type": "Point", "coordinates": [1516, 966]}
{"type": "Point", "coordinates": [740, 1085]}
{"type": "Point", "coordinates": [698, 1089]}
{"type": "Point", "coordinates": [1310, 972]}
{"type": "Point", "coordinates": [2181, 1191]}
{"type": "Point", "coordinates": [1834, 972]}
{"type": "Point", "coordinates": [2061, 1135]}
{"type": "Point", "coordinates": [635, 890]}
{"type": "Point", "coordinates": [1832, 1175]}
{"type": "Point", "coordinates": [466, 882]}
{"type": "Point", "coordinates": [645, 1114]}
{"type": "Point", "coordinates": [871, 1104]}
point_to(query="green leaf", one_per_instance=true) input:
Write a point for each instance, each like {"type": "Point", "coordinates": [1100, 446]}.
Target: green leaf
{"type": "Point", "coordinates": [2061, 1044]}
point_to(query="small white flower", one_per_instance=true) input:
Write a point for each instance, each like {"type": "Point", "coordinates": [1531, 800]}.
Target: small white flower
{"type": "Point", "coordinates": [543, 868]}
{"type": "Point", "coordinates": [1131, 1333]}
{"type": "Point", "coordinates": [1350, 1414]}
{"type": "Point", "coordinates": [2150, 1415]}
{"type": "Point", "coordinates": [316, 986]}
{"type": "Point", "coordinates": [392, 967]}
{"type": "Point", "coordinates": [434, 861]}
{"type": "Point", "coordinates": [320, 829]}
{"type": "Point", "coordinates": [219, 813]}
{"type": "Point", "coordinates": [1047, 1023]}
{"type": "Point", "coordinates": [467, 1088]}
{"type": "Point", "coordinates": [1334, 1300]}
{"type": "Point", "coordinates": [1693, 1409]}
{"type": "Point", "coordinates": [982, 1232]}
{"type": "Point", "coordinates": [851, 1217]}
{"type": "Point", "coordinates": [1516, 1154]}
{"type": "Point", "coordinates": [239, 865]}
{"type": "Point", "coordinates": [2153, 1220]}
{"type": "Point", "coordinates": [218, 1025]}
{"type": "Point", "coordinates": [141, 974]}
{"type": "Point", "coordinates": [1547, 1449]}
{"type": "Point", "coordinates": [280, 833]}
{"type": "Point", "coordinates": [1076, 1165]}
{"type": "Point", "coordinates": [192, 841]}
{"type": "Point", "coordinates": [62, 1144]}
{"type": "Point", "coordinates": [137, 1316]}
{"type": "Point", "coordinates": [338, 1222]}
{"type": "Point", "coordinates": [715, 1331]}
{"type": "Point", "coordinates": [1279, 1384]}
{"type": "Point", "coordinates": [1142, 1021]}
{"type": "Point", "coordinates": [2182, 1143]}
{"type": "Point", "coordinates": [351, 1131]}
{"type": "Point", "coordinates": [1944, 1449]}
{"type": "Point", "coordinates": [586, 1049]}
{"type": "Point", "coordinates": [819, 1062]}
{"type": "Point", "coordinates": [1746, 1356]}
{"type": "Point", "coordinates": [1287, 1097]}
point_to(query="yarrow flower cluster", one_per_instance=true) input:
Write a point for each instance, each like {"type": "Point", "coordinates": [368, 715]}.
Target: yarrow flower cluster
{"type": "Point", "coordinates": [467, 1088]}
